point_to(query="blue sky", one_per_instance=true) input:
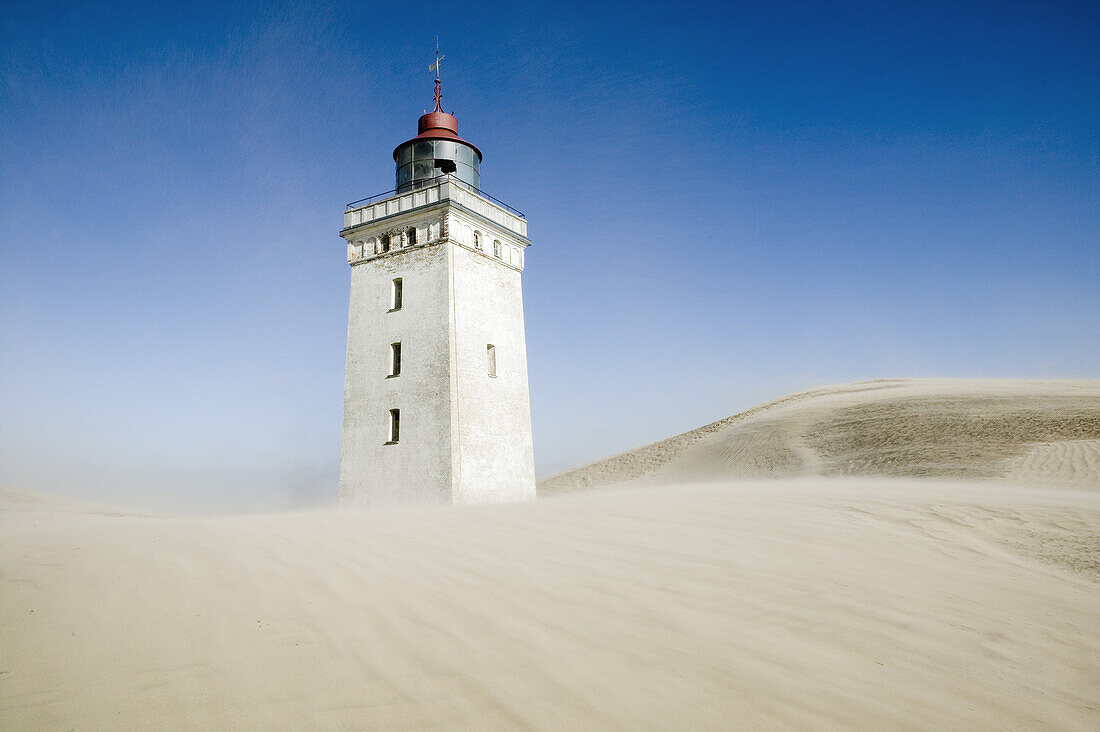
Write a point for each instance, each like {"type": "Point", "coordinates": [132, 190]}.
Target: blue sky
{"type": "Point", "coordinates": [728, 202]}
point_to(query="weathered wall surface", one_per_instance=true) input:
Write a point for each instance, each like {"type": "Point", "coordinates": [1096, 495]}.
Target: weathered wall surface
{"type": "Point", "coordinates": [494, 458]}
{"type": "Point", "coordinates": [418, 467]}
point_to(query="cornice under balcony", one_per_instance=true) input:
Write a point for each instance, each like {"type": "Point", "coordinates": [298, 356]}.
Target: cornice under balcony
{"type": "Point", "coordinates": [444, 189]}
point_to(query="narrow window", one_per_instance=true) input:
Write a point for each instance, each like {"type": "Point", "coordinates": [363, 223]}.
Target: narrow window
{"type": "Point", "coordinates": [411, 233]}
{"type": "Point", "coordinates": [395, 300]}
{"type": "Point", "coordinates": [491, 358]}
{"type": "Point", "coordinates": [477, 240]}
{"type": "Point", "coordinates": [385, 242]}
{"type": "Point", "coordinates": [395, 427]}
{"type": "Point", "coordinates": [395, 359]}
{"type": "Point", "coordinates": [496, 248]}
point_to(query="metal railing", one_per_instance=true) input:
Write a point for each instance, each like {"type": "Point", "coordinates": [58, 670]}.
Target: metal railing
{"type": "Point", "coordinates": [430, 182]}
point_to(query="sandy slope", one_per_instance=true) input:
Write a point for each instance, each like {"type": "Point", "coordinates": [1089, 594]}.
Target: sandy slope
{"type": "Point", "coordinates": [815, 603]}
{"type": "Point", "coordinates": [1035, 432]}
{"type": "Point", "coordinates": [682, 599]}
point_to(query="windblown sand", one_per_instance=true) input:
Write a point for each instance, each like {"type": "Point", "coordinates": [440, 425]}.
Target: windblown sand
{"type": "Point", "coordinates": [820, 602]}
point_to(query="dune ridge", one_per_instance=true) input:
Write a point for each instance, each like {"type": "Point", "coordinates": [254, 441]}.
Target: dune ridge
{"type": "Point", "coordinates": [1035, 431]}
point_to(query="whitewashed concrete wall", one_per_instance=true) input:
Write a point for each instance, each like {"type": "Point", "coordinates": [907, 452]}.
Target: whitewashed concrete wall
{"type": "Point", "coordinates": [494, 458]}
{"type": "Point", "coordinates": [465, 435]}
{"type": "Point", "coordinates": [418, 467]}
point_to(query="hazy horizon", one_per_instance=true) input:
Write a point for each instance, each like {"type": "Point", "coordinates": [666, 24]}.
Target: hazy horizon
{"type": "Point", "coordinates": [728, 203]}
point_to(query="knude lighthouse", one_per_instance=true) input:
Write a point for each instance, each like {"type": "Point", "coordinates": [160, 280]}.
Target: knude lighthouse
{"type": "Point", "coordinates": [436, 404]}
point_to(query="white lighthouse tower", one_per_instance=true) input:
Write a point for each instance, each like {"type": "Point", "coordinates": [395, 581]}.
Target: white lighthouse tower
{"type": "Point", "coordinates": [436, 403]}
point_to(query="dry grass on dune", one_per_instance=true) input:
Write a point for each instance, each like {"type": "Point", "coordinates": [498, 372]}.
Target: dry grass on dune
{"type": "Point", "coordinates": [1039, 432]}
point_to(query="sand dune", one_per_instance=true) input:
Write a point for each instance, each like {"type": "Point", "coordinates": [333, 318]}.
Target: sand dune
{"type": "Point", "coordinates": [1036, 432]}
{"type": "Point", "coordinates": [869, 603]}
{"type": "Point", "coordinates": [817, 602]}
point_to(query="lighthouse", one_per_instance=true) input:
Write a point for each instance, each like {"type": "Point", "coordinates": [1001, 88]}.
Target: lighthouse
{"type": "Point", "coordinates": [436, 401]}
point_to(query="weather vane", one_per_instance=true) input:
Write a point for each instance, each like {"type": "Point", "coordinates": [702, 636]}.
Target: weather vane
{"type": "Point", "coordinates": [435, 67]}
